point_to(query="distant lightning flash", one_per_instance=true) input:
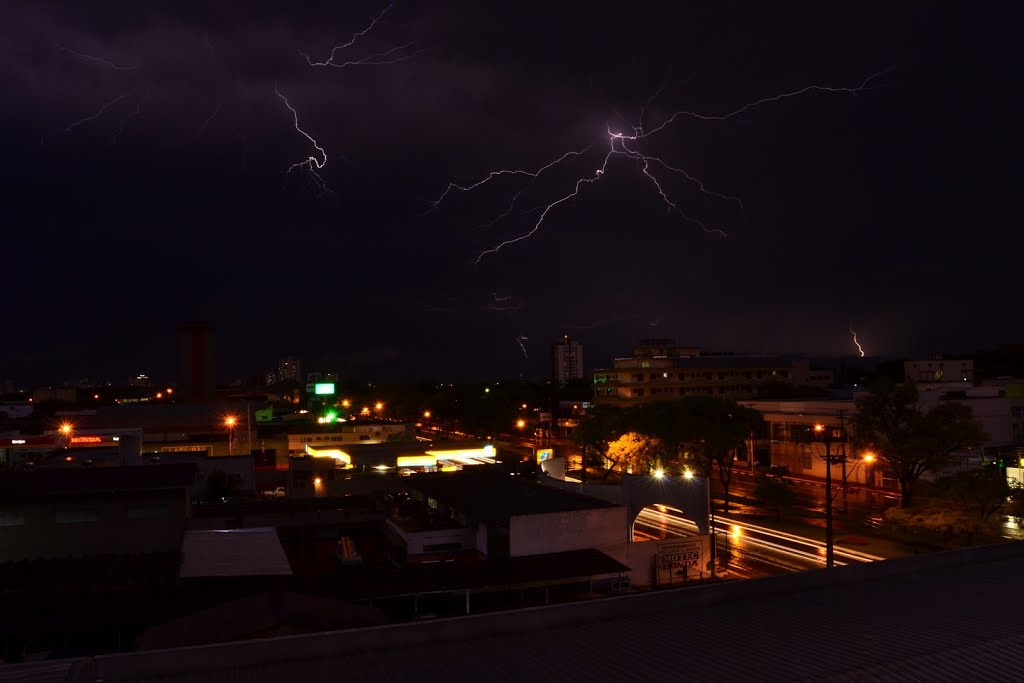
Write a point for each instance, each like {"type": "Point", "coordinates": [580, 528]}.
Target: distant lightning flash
{"type": "Point", "coordinates": [628, 146]}
{"type": "Point", "coordinates": [92, 117]}
{"type": "Point", "coordinates": [391, 56]}
{"type": "Point", "coordinates": [501, 303]}
{"type": "Point", "coordinates": [98, 60]}
{"type": "Point", "coordinates": [856, 343]}
{"type": "Point", "coordinates": [129, 117]}
{"type": "Point", "coordinates": [519, 340]}
{"type": "Point", "coordinates": [312, 163]}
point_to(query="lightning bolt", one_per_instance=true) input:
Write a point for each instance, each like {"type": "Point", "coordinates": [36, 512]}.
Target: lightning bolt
{"type": "Point", "coordinates": [129, 117]}
{"type": "Point", "coordinates": [92, 117]}
{"type": "Point", "coordinates": [628, 146]}
{"type": "Point", "coordinates": [856, 343]}
{"type": "Point", "coordinates": [312, 163]}
{"type": "Point", "coordinates": [392, 56]}
{"type": "Point", "coordinates": [97, 60]}
{"type": "Point", "coordinates": [500, 303]}
{"type": "Point", "coordinates": [519, 340]}
{"type": "Point", "coordinates": [213, 115]}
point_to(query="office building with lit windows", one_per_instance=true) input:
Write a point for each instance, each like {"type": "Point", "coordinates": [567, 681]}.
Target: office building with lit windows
{"type": "Point", "coordinates": [659, 369]}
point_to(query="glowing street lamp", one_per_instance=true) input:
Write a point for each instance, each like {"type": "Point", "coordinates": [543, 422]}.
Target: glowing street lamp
{"type": "Point", "coordinates": [426, 414]}
{"type": "Point", "coordinates": [66, 428]}
{"type": "Point", "coordinates": [346, 403]}
{"type": "Point", "coordinates": [520, 424]}
{"type": "Point", "coordinates": [687, 474]}
{"type": "Point", "coordinates": [659, 473]}
{"type": "Point", "coordinates": [230, 421]}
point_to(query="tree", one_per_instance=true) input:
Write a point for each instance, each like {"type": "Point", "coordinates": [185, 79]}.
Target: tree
{"type": "Point", "coordinates": [633, 452]}
{"type": "Point", "coordinates": [712, 430]}
{"type": "Point", "coordinates": [775, 490]}
{"type": "Point", "coordinates": [909, 440]}
{"type": "Point", "coordinates": [593, 434]}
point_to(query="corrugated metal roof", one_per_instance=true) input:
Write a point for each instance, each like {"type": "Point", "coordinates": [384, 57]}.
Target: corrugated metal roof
{"type": "Point", "coordinates": [233, 552]}
{"type": "Point", "coordinates": [929, 618]}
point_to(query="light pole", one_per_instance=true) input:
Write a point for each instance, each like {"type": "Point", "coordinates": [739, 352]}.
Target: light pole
{"type": "Point", "coordinates": [829, 436]}
{"type": "Point", "coordinates": [230, 421]}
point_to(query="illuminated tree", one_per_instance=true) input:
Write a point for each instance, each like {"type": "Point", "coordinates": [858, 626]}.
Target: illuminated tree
{"type": "Point", "coordinates": [633, 452]}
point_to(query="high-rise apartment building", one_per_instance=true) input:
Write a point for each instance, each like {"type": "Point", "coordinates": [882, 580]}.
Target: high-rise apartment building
{"type": "Point", "coordinates": [289, 369]}
{"type": "Point", "coordinates": [566, 360]}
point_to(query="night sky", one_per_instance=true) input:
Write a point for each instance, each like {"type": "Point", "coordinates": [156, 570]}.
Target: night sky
{"type": "Point", "coordinates": [896, 208]}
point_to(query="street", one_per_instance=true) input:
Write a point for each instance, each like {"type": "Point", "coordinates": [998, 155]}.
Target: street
{"type": "Point", "coordinates": [754, 550]}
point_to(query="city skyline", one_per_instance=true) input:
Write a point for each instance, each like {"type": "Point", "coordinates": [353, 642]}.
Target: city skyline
{"type": "Point", "coordinates": [151, 148]}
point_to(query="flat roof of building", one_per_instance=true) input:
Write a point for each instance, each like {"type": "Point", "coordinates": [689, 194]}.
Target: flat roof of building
{"type": "Point", "coordinates": [233, 552]}
{"type": "Point", "coordinates": [492, 494]}
{"type": "Point", "coordinates": [83, 480]}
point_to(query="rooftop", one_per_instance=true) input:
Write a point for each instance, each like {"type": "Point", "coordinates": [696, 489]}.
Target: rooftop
{"type": "Point", "coordinates": [941, 617]}
{"type": "Point", "coordinates": [491, 494]}
{"type": "Point", "coordinates": [64, 482]}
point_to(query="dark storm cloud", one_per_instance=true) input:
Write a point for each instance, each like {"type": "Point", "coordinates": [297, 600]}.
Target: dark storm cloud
{"type": "Point", "coordinates": [173, 204]}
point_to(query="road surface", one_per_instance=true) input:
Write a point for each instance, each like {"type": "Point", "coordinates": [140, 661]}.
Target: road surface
{"type": "Point", "coordinates": [754, 550]}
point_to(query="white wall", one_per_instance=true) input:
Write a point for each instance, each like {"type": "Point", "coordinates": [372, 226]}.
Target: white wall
{"type": "Point", "coordinates": [600, 528]}
{"type": "Point", "coordinates": [415, 541]}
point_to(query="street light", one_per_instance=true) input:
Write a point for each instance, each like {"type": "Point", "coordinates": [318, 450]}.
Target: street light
{"type": "Point", "coordinates": [230, 421]}
{"type": "Point", "coordinates": [659, 473]}
{"type": "Point", "coordinates": [828, 437]}
{"type": "Point", "coordinates": [687, 474]}
{"type": "Point", "coordinates": [520, 424]}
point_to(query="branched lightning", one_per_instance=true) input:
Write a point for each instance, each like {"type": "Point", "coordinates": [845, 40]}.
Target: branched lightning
{"type": "Point", "coordinates": [97, 60]}
{"type": "Point", "coordinates": [391, 56]}
{"type": "Point", "coordinates": [129, 117]}
{"type": "Point", "coordinates": [92, 117]}
{"type": "Point", "coordinates": [312, 163]}
{"type": "Point", "coordinates": [211, 117]}
{"type": "Point", "coordinates": [501, 303]}
{"type": "Point", "coordinates": [628, 146]}
{"type": "Point", "coordinates": [856, 343]}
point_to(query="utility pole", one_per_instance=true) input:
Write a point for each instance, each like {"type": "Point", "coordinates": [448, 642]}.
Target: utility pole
{"type": "Point", "coordinates": [829, 435]}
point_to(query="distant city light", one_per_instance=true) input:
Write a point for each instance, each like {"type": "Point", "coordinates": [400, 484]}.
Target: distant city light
{"type": "Point", "coordinates": [520, 423]}
{"type": "Point", "coordinates": [66, 428]}
{"type": "Point", "coordinates": [687, 474]}
{"type": "Point", "coordinates": [230, 421]}
{"type": "Point", "coordinates": [659, 473]}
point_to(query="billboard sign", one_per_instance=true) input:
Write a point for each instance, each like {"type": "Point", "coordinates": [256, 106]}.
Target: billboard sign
{"type": "Point", "coordinates": [324, 388]}
{"type": "Point", "coordinates": [545, 454]}
{"type": "Point", "coordinates": [682, 559]}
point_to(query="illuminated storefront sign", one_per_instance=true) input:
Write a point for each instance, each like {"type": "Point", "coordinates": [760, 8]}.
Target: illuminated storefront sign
{"type": "Point", "coordinates": [544, 454]}
{"type": "Point", "coordinates": [86, 439]}
{"type": "Point", "coordinates": [324, 389]}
